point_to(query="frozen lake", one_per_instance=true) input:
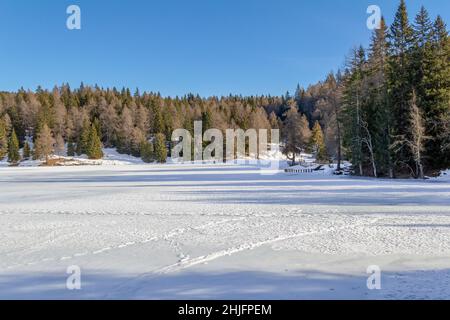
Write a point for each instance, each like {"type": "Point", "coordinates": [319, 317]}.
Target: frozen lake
{"type": "Point", "coordinates": [195, 232]}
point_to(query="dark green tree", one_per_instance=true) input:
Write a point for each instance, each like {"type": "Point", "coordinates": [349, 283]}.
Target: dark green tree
{"type": "Point", "coordinates": [3, 139]}
{"type": "Point", "coordinates": [13, 148]}
{"type": "Point", "coordinates": [147, 153]}
{"type": "Point", "coordinates": [400, 82]}
{"type": "Point", "coordinates": [160, 148]}
{"type": "Point", "coordinates": [94, 145]}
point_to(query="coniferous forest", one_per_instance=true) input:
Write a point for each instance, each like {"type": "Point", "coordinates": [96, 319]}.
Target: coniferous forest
{"type": "Point", "coordinates": [387, 111]}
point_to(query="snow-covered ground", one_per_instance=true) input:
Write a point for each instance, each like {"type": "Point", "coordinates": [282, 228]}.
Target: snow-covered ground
{"type": "Point", "coordinates": [220, 231]}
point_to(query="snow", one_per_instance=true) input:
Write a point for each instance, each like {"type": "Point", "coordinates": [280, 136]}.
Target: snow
{"type": "Point", "coordinates": [218, 232]}
{"type": "Point", "coordinates": [110, 158]}
{"type": "Point", "coordinates": [445, 176]}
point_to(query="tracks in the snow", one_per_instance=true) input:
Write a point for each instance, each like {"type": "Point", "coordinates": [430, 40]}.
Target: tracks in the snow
{"type": "Point", "coordinates": [164, 237]}
{"type": "Point", "coordinates": [190, 262]}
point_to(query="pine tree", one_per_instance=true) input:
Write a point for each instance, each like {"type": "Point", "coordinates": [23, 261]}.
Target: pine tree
{"type": "Point", "coordinates": [13, 148]}
{"type": "Point", "coordinates": [44, 145]}
{"type": "Point", "coordinates": [94, 146]}
{"type": "Point", "coordinates": [160, 148]}
{"type": "Point", "coordinates": [3, 139]}
{"type": "Point", "coordinates": [318, 143]}
{"type": "Point", "coordinates": [147, 152]}
{"type": "Point", "coordinates": [26, 151]}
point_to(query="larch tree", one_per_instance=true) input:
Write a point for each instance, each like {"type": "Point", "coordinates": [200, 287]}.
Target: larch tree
{"type": "Point", "coordinates": [317, 143]}
{"type": "Point", "coordinates": [26, 151]}
{"type": "Point", "coordinates": [296, 134]}
{"type": "Point", "coordinates": [44, 144]}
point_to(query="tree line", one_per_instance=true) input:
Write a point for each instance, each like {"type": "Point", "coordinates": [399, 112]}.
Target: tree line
{"type": "Point", "coordinates": [387, 111]}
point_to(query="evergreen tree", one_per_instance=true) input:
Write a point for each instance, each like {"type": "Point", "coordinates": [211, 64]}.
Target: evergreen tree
{"type": "Point", "coordinates": [94, 146]}
{"type": "Point", "coordinates": [352, 113]}
{"type": "Point", "coordinates": [147, 152]}
{"type": "Point", "coordinates": [3, 139]}
{"type": "Point", "coordinates": [400, 76]}
{"type": "Point", "coordinates": [436, 97]}
{"type": "Point", "coordinates": [318, 143]}
{"type": "Point", "coordinates": [13, 148]}
{"type": "Point", "coordinates": [160, 148]}
{"type": "Point", "coordinates": [83, 142]}
{"type": "Point", "coordinates": [157, 118]}
{"type": "Point", "coordinates": [379, 119]}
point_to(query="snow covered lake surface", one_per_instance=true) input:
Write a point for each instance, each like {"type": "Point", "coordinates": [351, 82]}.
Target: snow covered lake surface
{"type": "Point", "coordinates": [220, 231]}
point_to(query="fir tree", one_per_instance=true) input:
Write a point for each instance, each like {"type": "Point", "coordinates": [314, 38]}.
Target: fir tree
{"type": "Point", "coordinates": [83, 143]}
{"type": "Point", "coordinates": [379, 119]}
{"type": "Point", "coordinates": [436, 84]}
{"type": "Point", "coordinates": [3, 139]}
{"type": "Point", "coordinates": [352, 114]}
{"type": "Point", "coordinates": [147, 152]}
{"type": "Point", "coordinates": [94, 145]}
{"type": "Point", "coordinates": [13, 148]}
{"type": "Point", "coordinates": [400, 76]}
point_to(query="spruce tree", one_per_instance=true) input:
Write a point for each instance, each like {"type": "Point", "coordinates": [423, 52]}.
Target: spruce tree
{"type": "Point", "coordinates": [379, 117]}
{"type": "Point", "coordinates": [352, 113]}
{"type": "Point", "coordinates": [94, 145]}
{"type": "Point", "coordinates": [400, 78]}
{"type": "Point", "coordinates": [436, 83]}
{"type": "Point", "coordinates": [83, 143]}
{"type": "Point", "coordinates": [147, 152]}
{"type": "Point", "coordinates": [3, 139]}
{"type": "Point", "coordinates": [13, 148]}
{"type": "Point", "coordinates": [160, 148]}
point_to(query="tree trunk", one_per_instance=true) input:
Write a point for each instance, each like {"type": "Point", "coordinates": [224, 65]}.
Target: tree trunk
{"type": "Point", "coordinates": [339, 153]}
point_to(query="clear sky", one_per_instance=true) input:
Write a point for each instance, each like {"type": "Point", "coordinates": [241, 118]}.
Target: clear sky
{"type": "Point", "coordinates": [210, 47]}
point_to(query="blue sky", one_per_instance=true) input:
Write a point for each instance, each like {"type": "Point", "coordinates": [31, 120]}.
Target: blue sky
{"type": "Point", "coordinates": [210, 47]}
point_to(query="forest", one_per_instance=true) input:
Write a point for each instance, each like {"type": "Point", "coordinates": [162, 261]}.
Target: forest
{"type": "Point", "coordinates": [387, 111]}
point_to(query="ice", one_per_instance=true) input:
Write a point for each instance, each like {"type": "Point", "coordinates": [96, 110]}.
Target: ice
{"type": "Point", "coordinates": [219, 231]}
